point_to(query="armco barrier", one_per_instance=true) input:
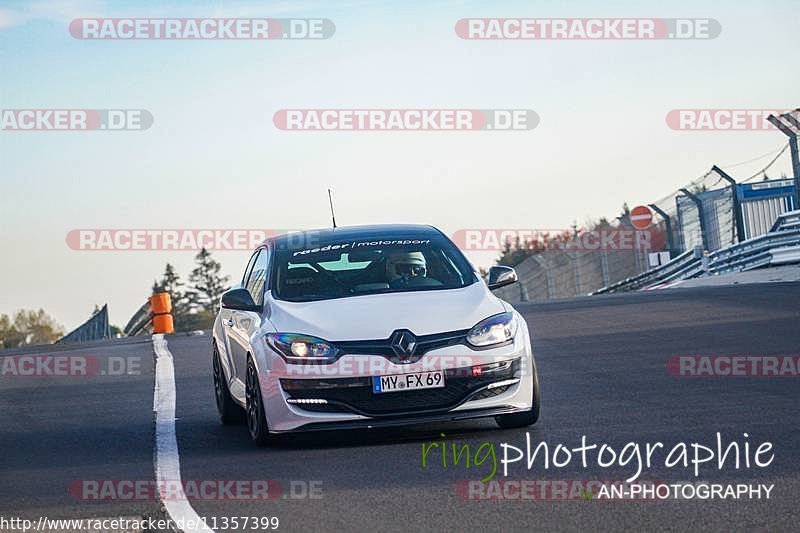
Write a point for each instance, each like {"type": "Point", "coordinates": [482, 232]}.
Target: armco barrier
{"type": "Point", "coordinates": [754, 253]}
{"type": "Point", "coordinates": [140, 322]}
{"type": "Point", "coordinates": [780, 246]}
{"type": "Point", "coordinates": [686, 265]}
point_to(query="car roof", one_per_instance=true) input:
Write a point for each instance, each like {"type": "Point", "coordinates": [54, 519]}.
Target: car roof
{"type": "Point", "coordinates": [348, 233]}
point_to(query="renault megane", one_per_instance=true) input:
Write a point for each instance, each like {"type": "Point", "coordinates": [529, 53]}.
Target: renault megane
{"type": "Point", "coordinates": [369, 326]}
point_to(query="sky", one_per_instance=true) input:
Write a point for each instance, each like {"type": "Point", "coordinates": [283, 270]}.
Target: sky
{"type": "Point", "coordinates": [214, 159]}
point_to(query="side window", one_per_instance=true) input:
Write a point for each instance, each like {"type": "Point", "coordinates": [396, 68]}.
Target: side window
{"type": "Point", "coordinates": [257, 279]}
{"type": "Point", "coordinates": [249, 267]}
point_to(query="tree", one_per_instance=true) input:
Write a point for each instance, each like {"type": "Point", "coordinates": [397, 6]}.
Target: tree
{"type": "Point", "coordinates": [28, 327]}
{"type": "Point", "coordinates": [207, 281]}
{"type": "Point", "coordinates": [38, 327]}
{"type": "Point", "coordinates": [182, 300]}
{"type": "Point", "coordinates": [514, 253]}
{"type": "Point", "coordinates": [9, 336]}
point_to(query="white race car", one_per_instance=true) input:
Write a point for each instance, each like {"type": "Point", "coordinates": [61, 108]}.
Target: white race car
{"type": "Point", "coordinates": [369, 326]}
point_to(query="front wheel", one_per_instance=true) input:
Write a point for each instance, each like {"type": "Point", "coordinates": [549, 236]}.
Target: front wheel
{"type": "Point", "coordinates": [229, 411]}
{"type": "Point", "coordinates": [256, 420]}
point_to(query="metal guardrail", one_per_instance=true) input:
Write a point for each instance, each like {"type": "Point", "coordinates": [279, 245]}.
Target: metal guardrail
{"type": "Point", "coordinates": [140, 322]}
{"type": "Point", "coordinates": [753, 253]}
{"type": "Point", "coordinates": [782, 256]}
{"type": "Point", "coordinates": [780, 246]}
{"type": "Point", "coordinates": [786, 221]}
{"type": "Point", "coordinates": [686, 264]}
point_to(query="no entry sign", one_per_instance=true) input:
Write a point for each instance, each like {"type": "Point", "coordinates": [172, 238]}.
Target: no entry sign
{"type": "Point", "coordinates": [641, 217]}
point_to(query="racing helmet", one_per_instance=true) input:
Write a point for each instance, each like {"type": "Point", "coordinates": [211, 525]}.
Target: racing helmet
{"type": "Point", "coordinates": [406, 264]}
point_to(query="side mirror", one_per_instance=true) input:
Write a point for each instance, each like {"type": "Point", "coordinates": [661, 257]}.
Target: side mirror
{"type": "Point", "coordinates": [240, 300]}
{"type": "Point", "coordinates": [500, 276]}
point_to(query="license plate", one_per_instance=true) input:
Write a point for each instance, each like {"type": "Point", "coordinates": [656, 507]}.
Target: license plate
{"type": "Point", "coordinates": [404, 382]}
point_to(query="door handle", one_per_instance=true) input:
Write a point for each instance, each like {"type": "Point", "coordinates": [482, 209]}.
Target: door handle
{"type": "Point", "coordinates": [229, 322]}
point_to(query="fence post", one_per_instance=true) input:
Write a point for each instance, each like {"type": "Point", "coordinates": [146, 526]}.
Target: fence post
{"type": "Point", "coordinates": [668, 227]}
{"type": "Point", "coordinates": [547, 278]}
{"type": "Point", "coordinates": [700, 214]}
{"type": "Point", "coordinates": [792, 147]}
{"type": "Point", "coordinates": [604, 267]}
{"type": "Point", "coordinates": [737, 211]}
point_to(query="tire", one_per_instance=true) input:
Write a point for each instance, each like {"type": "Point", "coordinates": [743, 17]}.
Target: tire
{"type": "Point", "coordinates": [229, 411]}
{"type": "Point", "coordinates": [256, 420]}
{"type": "Point", "coordinates": [525, 418]}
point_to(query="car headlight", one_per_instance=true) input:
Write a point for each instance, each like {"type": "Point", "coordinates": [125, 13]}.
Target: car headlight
{"type": "Point", "coordinates": [497, 329]}
{"type": "Point", "coordinates": [297, 348]}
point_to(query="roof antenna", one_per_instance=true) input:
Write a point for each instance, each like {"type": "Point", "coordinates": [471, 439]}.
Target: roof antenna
{"type": "Point", "coordinates": [333, 217]}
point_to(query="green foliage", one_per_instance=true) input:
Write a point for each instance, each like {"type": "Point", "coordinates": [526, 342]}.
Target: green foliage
{"type": "Point", "coordinates": [208, 283]}
{"type": "Point", "coordinates": [194, 321]}
{"type": "Point", "coordinates": [194, 306]}
{"type": "Point", "coordinates": [515, 253]}
{"type": "Point", "coordinates": [28, 327]}
{"type": "Point", "coordinates": [182, 299]}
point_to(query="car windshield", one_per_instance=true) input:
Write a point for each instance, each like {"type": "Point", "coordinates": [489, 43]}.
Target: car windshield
{"type": "Point", "coordinates": [353, 268]}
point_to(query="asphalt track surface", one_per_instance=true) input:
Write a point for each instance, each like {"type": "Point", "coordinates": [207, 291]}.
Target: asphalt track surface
{"type": "Point", "coordinates": [603, 375]}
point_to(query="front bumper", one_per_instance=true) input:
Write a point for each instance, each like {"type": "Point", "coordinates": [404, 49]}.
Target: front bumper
{"type": "Point", "coordinates": [339, 397]}
{"type": "Point", "coordinates": [373, 423]}
{"type": "Point", "coordinates": [355, 395]}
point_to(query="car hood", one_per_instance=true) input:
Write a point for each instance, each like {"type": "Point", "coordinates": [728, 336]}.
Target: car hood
{"type": "Point", "coordinates": [376, 316]}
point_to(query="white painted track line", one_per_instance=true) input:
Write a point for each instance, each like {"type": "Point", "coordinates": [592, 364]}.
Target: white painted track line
{"type": "Point", "coordinates": [167, 459]}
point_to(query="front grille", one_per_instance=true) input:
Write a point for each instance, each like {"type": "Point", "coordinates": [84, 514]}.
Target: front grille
{"type": "Point", "coordinates": [383, 347]}
{"type": "Point", "coordinates": [355, 394]}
